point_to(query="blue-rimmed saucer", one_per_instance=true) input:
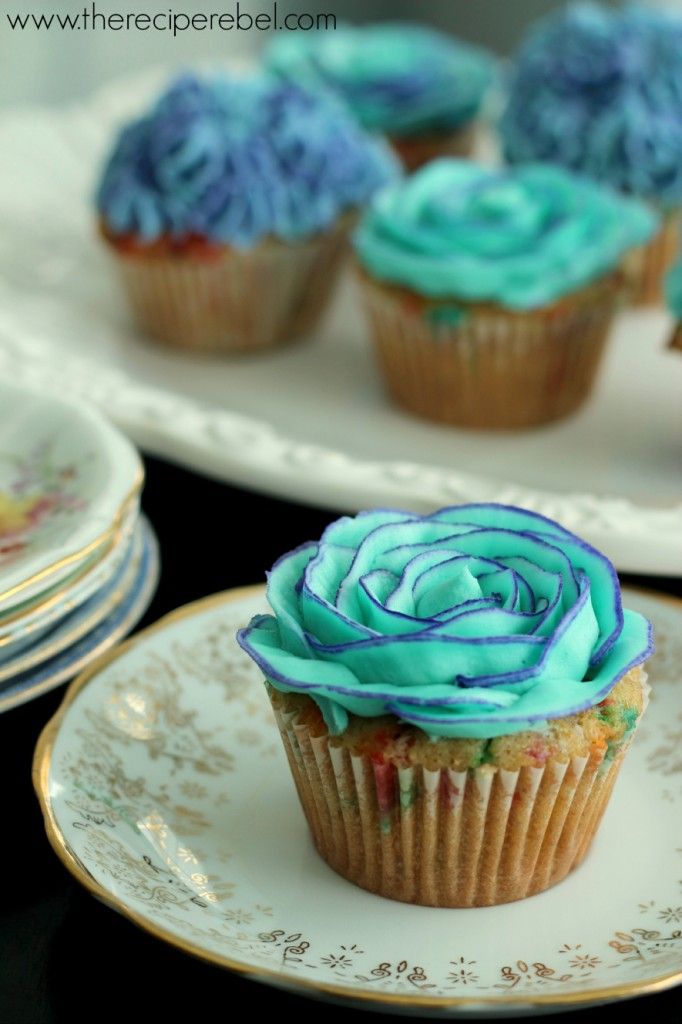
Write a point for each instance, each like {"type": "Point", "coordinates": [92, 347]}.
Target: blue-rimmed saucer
{"type": "Point", "coordinates": [124, 601]}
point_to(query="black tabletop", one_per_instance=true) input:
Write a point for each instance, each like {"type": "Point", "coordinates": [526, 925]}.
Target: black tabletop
{"type": "Point", "coordinates": [64, 956]}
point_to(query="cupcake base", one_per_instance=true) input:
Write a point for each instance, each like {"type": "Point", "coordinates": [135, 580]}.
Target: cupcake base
{"type": "Point", "coordinates": [441, 837]}
{"type": "Point", "coordinates": [483, 366]}
{"type": "Point", "coordinates": [649, 264]}
{"type": "Point", "coordinates": [415, 151]}
{"type": "Point", "coordinates": [233, 300]}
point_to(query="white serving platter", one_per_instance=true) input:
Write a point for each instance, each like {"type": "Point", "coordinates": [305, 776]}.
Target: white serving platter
{"type": "Point", "coordinates": [311, 422]}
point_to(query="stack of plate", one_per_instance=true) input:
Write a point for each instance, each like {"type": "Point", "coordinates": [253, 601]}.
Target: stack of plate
{"type": "Point", "coordinates": [78, 564]}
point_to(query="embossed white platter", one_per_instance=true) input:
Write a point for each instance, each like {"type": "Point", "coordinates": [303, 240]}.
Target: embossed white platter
{"type": "Point", "coordinates": [67, 479]}
{"type": "Point", "coordinates": [166, 792]}
{"type": "Point", "coordinates": [311, 422]}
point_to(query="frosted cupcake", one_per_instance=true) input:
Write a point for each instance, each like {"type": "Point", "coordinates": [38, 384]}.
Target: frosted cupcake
{"type": "Point", "coordinates": [491, 293]}
{"type": "Point", "coordinates": [228, 208]}
{"type": "Point", "coordinates": [422, 89]}
{"type": "Point", "coordinates": [600, 91]}
{"type": "Point", "coordinates": [456, 694]}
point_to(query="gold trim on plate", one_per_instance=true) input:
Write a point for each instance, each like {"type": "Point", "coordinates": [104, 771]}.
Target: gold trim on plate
{"type": "Point", "coordinates": [110, 640]}
{"type": "Point", "coordinates": [41, 782]}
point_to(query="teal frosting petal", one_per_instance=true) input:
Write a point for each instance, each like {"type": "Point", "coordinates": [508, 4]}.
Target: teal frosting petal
{"type": "Point", "coordinates": [476, 621]}
{"type": "Point", "coordinates": [522, 237]}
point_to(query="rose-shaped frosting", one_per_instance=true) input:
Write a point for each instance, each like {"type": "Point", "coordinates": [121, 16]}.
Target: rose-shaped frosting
{"type": "Point", "coordinates": [476, 621]}
{"type": "Point", "coordinates": [232, 160]}
{"type": "Point", "coordinates": [397, 78]}
{"type": "Point", "coordinates": [522, 237]}
{"type": "Point", "coordinates": [600, 91]}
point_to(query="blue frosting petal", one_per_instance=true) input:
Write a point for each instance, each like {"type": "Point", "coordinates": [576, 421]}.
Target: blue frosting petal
{"type": "Point", "coordinates": [476, 621]}
{"type": "Point", "coordinates": [233, 160]}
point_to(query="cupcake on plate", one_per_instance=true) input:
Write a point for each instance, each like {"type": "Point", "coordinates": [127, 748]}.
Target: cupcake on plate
{"type": "Point", "coordinates": [600, 91]}
{"type": "Point", "coordinates": [228, 208]}
{"type": "Point", "coordinates": [421, 88]}
{"type": "Point", "coordinates": [455, 693]}
{"type": "Point", "coordinates": [491, 292]}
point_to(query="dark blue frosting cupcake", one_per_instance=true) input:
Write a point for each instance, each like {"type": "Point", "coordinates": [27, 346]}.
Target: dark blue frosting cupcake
{"type": "Point", "coordinates": [233, 160]}
{"type": "Point", "coordinates": [600, 91]}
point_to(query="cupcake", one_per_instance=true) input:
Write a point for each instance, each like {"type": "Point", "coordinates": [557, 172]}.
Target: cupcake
{"type": "Point", "coordinates": [456, 694]}
{"type": "Point", "coordinates": [600, 91]}
{"type": "Point", "coordinates": [228, 208]}
{"type": "Point", "coordinates": [422, 89]}
{"type": "Point", "coordinates": [673, 295]}
{"type": "Point", "coordinates": [491, 292]}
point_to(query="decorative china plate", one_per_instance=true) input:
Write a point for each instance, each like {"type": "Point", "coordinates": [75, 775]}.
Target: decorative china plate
{"type": "Point", "coordinates": [125, 611]}
{"type": "Point", "coordinates": [66, 481]}
{"type": "Point", "coordinates": [26, 624]}
{"type": "Point", "coordinates": [311, 422]}
{"type": "Point", "coordinates": [166, 792]}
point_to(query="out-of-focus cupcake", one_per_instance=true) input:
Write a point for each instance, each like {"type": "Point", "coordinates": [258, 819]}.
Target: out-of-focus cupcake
{"type": "Point", "coordinates": [456, 694]}
{"type": "Point", "coordinates": [491, 292]}
{"type": "Point", "coordinates": [228, 208]}
{"type": "Point", "coordinates": [600, 91]}
{"type": "Point", "coordinates": [673, 297]}
{"type": "Point", "coordinates": [422, 89]}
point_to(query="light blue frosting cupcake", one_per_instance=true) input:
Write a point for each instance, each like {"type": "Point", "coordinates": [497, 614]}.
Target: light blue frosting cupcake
{"type": "Point", "coordinates": [397, 78]}
{"type": "Point", "coordinates": [476, 621]}
{"type": "Point", "coordinates": [521, 237]}
{"type": "Point", "coordinates": [600, 91]}
{"type": "Point", "coordinates": [233, 160]}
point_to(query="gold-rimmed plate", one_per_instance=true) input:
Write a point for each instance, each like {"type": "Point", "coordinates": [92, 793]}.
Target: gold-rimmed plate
{"type": "Point", "coordinates": [67, 480]}
{"type": "Point", "coordinates": [166, 793]}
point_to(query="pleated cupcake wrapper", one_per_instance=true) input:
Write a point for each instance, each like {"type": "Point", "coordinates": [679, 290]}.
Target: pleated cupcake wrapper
{"type": "Point", "coordinates": [446, 838]}
{"type": "Point", "coordinates": [415, 151]}
{"type": "Point", "coordinates": [492, 368]}
{"type": "Point", "coordinates": [648, 265]}
{"type": "Point", "coordinates": [240, 300]}
{"type": "Point", "coordinates": [675, 340]}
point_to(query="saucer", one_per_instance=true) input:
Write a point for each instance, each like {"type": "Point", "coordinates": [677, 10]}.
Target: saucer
{"type": "Point", "coordinates": [126, 612]}
{"type": "Point", "coordinates": [166, 792]}
{"type": "Point", "coordinates": [67, 478]}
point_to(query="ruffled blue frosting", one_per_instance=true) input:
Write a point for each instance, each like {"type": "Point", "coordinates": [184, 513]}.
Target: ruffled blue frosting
{"type": "Point", "coordinates": [233, 160]}
{"type": "Point", "coordinates": [522, 236]}
{"type": "Point", "coordinates": [476, 621]}
{"type": "Point", "coordinates": [600, 91]}
{"type": "Point", "coordinates": [397, 78]}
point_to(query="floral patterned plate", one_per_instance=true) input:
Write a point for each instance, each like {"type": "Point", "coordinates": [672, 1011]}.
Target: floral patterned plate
{"type": "Point", "coordinates": [165, 791]}
{"type": "Point", "coordinates": [66, 479]}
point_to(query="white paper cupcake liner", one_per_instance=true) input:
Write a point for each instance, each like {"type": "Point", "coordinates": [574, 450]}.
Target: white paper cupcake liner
{"type": "Point", "coordinates": [237, 300]}
{"type": "Point", "coordinates": [494, 368]}
{"type": "Point", "coordinates": [446, 838]}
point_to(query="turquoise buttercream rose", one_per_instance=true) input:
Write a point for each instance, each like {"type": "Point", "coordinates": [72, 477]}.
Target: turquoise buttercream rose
{"type": "Point", "coordinates": [522, 237]}
{"type": "Point", "coordinates": [398, 78]}
{"type": "Point", "coordinates": [476, 621]}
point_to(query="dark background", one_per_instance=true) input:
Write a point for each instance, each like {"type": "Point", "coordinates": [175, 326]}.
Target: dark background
{"type": "Point", "coordinates": [65, 957]}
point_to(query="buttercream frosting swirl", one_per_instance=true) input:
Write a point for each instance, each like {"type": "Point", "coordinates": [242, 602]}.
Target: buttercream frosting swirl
{"type": "Point", "coordinates": [233, 160]}
{"type": "Point", "coordinates": [476, 621]}
{"type": "Point", "coordinates": [673, 290]}
{"type": "Point", "coordinates": [522, 237]}
{"type": "Point", "coordinates": [397, 77]}
{"type": "Point", "coordinates": [600, 91]}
